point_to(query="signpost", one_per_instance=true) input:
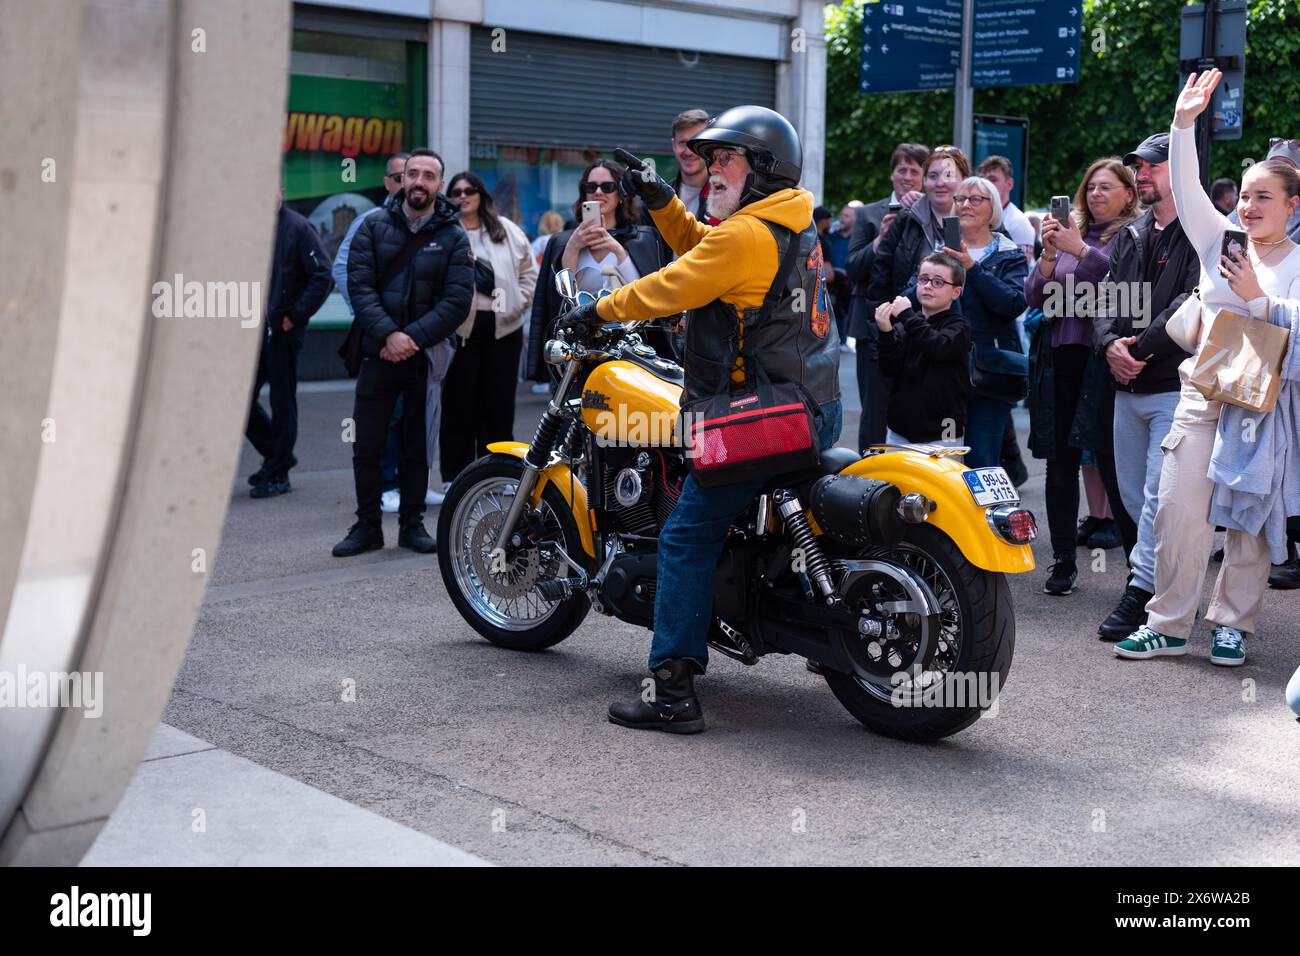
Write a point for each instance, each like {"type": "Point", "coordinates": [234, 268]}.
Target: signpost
{"type": "Point", "coordinates": [916, 44]}
{"type": "Point", "coordinates": [1205, 42]}
{"type": "Point", "coordinates": [1020, 44]}
{"type": "Point", "coordinates": [1004, 136]}
{"type": "Point", "coordinates": [910, 46]}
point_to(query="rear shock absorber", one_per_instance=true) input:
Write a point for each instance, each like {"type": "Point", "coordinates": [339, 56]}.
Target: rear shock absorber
{"type": "Point", "coordinates": [805, 542]}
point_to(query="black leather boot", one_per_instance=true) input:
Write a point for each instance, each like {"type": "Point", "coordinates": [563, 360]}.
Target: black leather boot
{"type": "Point", "coordinates": [673, 706]}
{"type": "Point", "coordinates": [362, 537]}
{"type": "Point", "coordinates": [414, 536]}
{"type": "Point", "coordinates": [1128, 616]}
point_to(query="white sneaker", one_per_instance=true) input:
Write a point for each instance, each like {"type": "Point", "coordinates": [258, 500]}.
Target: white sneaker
{"type": "Point", "coordinates": [432, 497]}
{"type": "Point", "coordinates": [390, 501]}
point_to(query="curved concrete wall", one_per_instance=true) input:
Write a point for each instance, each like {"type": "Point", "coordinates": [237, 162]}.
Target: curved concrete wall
{"type": "Point", "coordinates": [163, 121]}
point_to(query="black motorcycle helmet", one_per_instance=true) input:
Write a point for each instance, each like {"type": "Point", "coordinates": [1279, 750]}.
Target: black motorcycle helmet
{"type": "Point", "coordinates": [770, 143]}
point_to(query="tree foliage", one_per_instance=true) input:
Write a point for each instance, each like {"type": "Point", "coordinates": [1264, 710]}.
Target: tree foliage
{"type": "Point", "coordinates": [1129, 81]}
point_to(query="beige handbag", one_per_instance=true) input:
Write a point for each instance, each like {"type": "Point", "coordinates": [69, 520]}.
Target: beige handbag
{"type": "Point", "coordinates": [1241, 362]}
{"type": "Point", "coordinates": [1184, 326]}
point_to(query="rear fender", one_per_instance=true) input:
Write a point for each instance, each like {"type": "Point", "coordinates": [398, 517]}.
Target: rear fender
{"type": "Point", "coordinates": [559, 475]}
{"type": "Point", "coordinates": [955, 514]}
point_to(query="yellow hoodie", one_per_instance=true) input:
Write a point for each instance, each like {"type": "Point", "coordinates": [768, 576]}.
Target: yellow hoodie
{"type": "Point", "coordinates": [733, 261]}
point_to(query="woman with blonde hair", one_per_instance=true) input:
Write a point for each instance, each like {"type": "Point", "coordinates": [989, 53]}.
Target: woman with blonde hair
{"type": "Point", "coordinates": [550, 223]}
{"type": "Point", "coordinates": [1223, 473]}
{"type": "Point", "coordinates": [1066, 377]}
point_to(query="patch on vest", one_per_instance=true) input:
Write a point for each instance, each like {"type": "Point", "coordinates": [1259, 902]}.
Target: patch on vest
{"type": "Point", "coordinates": [821, 313]}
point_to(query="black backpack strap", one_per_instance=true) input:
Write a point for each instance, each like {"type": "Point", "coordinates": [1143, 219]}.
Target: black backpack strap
{"type": "Point", "coordinates": [774, 291]}
{"type": "Point", "coordinates": [783, 269]}
{"type": "Point", "coordinates": [408, 252]}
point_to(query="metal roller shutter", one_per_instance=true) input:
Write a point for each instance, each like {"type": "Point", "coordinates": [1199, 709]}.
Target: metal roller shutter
{"type": "Point", "coordinates": [559, 91]}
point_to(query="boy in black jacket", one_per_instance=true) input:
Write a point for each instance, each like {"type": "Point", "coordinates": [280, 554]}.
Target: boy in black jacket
{"type": "Point", "coordinates": [926, 355]}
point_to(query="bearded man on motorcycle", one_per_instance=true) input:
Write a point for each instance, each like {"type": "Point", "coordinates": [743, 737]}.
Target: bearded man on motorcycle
{"type": "Point", "coordinates": [722, 275]}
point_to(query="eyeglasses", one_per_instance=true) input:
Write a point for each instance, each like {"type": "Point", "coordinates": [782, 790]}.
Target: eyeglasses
{"type": "Point", "coordinates": [922, 281]}
{"type": "Point", "coordinates": [969, 200]}
{"type": "Point", "coordinates": [590, 188]}
{"type": "Point", "coordinates": [721, 155]}
{"type": "Point", "coordinates": [466, 191]}
{"type": "Point", "coordinates": [1277, 141]}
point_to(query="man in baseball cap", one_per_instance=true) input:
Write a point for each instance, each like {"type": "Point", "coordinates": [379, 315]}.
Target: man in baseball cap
{"type": "Point", "coordinates": [1154, 149]}
{"type": "Point", "coordinates": [1153, 254]}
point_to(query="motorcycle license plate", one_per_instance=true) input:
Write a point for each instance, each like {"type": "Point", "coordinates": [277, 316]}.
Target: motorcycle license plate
{"type": "Point", "coordinates": [991, 486]}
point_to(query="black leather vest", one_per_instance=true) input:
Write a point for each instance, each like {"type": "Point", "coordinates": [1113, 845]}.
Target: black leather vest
{"type": "Point", "coordinates": [792, 335]}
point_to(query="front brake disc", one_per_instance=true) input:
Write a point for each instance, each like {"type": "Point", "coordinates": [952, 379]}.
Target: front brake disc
{"type": "Point", "coordinates": [516, 574]}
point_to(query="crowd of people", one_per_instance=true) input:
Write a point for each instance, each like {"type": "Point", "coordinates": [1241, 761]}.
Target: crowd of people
{"type": "Point", "coordinates": [960, 307]}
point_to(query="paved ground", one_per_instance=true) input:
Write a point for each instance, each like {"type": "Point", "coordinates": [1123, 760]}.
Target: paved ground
{"type": "Point", "coordinates": [509, 757]}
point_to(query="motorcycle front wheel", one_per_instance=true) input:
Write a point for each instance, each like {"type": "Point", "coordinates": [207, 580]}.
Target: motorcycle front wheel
{"type": "Point", "coordinates": [929, 677]}
{"type": "Point", "coordinates": [498, 595]}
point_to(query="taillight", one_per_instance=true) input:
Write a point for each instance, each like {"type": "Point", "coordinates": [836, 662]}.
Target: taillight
{"type": "Point", "coordinates": [1012, 524]}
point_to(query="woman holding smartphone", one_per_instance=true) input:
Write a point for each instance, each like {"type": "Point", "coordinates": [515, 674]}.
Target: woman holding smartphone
{"type": "Point", "coordinates": [603, 253]}
{"type": "Point", "coordinates": [1066, 376]}
{"type": "Point", "coordinates": [918, 230]}
{"type": "Point", "coordinates": [992, 299]}
{"type": "Point", "coordinates": [1270, 270]}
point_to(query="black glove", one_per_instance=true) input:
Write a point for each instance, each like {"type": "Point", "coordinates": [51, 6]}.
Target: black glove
{"type": "Point", "coordinates": [583, 320]}
{"type": "Point", "coordinates": [640, 180]}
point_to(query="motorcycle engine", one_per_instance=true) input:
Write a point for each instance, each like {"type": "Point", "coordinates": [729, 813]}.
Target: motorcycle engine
{"type": "Point", "coordinates": [641, 488]}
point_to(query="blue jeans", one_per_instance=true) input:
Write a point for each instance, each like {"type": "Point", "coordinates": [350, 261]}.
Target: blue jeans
{"type": "Point", "coordinates": [986, 423]}
{"type": "Point", "coordinates": [689, 549]}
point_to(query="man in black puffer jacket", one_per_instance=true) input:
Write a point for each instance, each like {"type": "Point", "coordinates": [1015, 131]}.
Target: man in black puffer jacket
{"type": "Point", "coordinates": [411, 281]}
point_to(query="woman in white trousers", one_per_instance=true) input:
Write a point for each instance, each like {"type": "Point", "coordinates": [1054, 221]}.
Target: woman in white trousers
{"type": "Point", "coordinates": [1184, 534]}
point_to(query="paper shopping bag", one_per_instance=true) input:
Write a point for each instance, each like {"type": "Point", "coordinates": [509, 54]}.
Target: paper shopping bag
{"type": "Point", "coordinates": [1240, 362]}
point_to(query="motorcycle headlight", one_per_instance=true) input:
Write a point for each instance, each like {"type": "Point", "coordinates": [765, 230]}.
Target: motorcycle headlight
{"type": "Point", "coordinates": [556, 352]}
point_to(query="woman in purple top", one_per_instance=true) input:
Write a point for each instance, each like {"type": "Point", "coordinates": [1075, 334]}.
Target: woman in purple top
{"type": "Point", "coordinates": [1066, 376]}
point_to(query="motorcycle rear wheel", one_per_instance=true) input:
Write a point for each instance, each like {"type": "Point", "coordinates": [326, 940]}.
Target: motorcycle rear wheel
{"type": "Point", "coordinates": [506, 608]}
{"type": "Point", "coordinates": [985, 622]}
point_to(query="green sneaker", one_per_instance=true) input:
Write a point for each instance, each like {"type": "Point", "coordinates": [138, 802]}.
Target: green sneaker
{"type": "Point", "coordinates": [1145, 642]}
{"type": "Point", "coordinates": [1229, 646]}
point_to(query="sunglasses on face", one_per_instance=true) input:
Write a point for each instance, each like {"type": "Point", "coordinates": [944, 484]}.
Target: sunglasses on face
{"type": "Point", "coordinates": [395, 177]}
{"type": "Point", "coordinates": [590, 188]}
{"type": "Point", "coordinates": [720, 156]}
{"type": "Point", "coordinates": [465, 191]}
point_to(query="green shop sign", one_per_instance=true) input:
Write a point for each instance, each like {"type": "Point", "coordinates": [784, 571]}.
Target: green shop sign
{"type": "Point", "coordinates": [331, 120]}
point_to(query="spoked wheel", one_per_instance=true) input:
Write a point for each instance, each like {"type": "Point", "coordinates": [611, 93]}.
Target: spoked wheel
{"type": "Point", "coordinates": [497, 593]}
{"type": "Point", "coordinates": [936, 641]}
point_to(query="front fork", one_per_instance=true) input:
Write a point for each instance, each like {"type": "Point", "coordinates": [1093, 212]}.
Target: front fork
{"type": "Point", "coordinates": [538, 455]}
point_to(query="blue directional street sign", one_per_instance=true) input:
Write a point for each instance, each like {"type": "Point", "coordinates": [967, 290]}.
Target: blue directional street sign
{"type": "Point", "coordinates": [916, 44]}
{"type": "Point", "coordinates": [1018, 43]}
{"type": "Point", "coordinates": [910, 46]}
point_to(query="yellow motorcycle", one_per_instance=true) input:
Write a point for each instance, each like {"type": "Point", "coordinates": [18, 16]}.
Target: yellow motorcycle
{"type": "Point", "coordinates": [886, 569]}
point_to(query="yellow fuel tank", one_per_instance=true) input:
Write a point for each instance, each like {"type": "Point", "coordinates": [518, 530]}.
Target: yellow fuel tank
{"type": "Point", "coordinates": [625, 404]}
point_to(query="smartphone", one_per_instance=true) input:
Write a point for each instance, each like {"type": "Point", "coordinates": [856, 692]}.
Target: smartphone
{"type": "Point", "coordinates": [1061, 210]}
{"type": "Point", "coordinates": [591, 211]}
{"type": "Point", "coordinates": [952, 232]}
{"type": "Point", "coordinates": [1234, 243]}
